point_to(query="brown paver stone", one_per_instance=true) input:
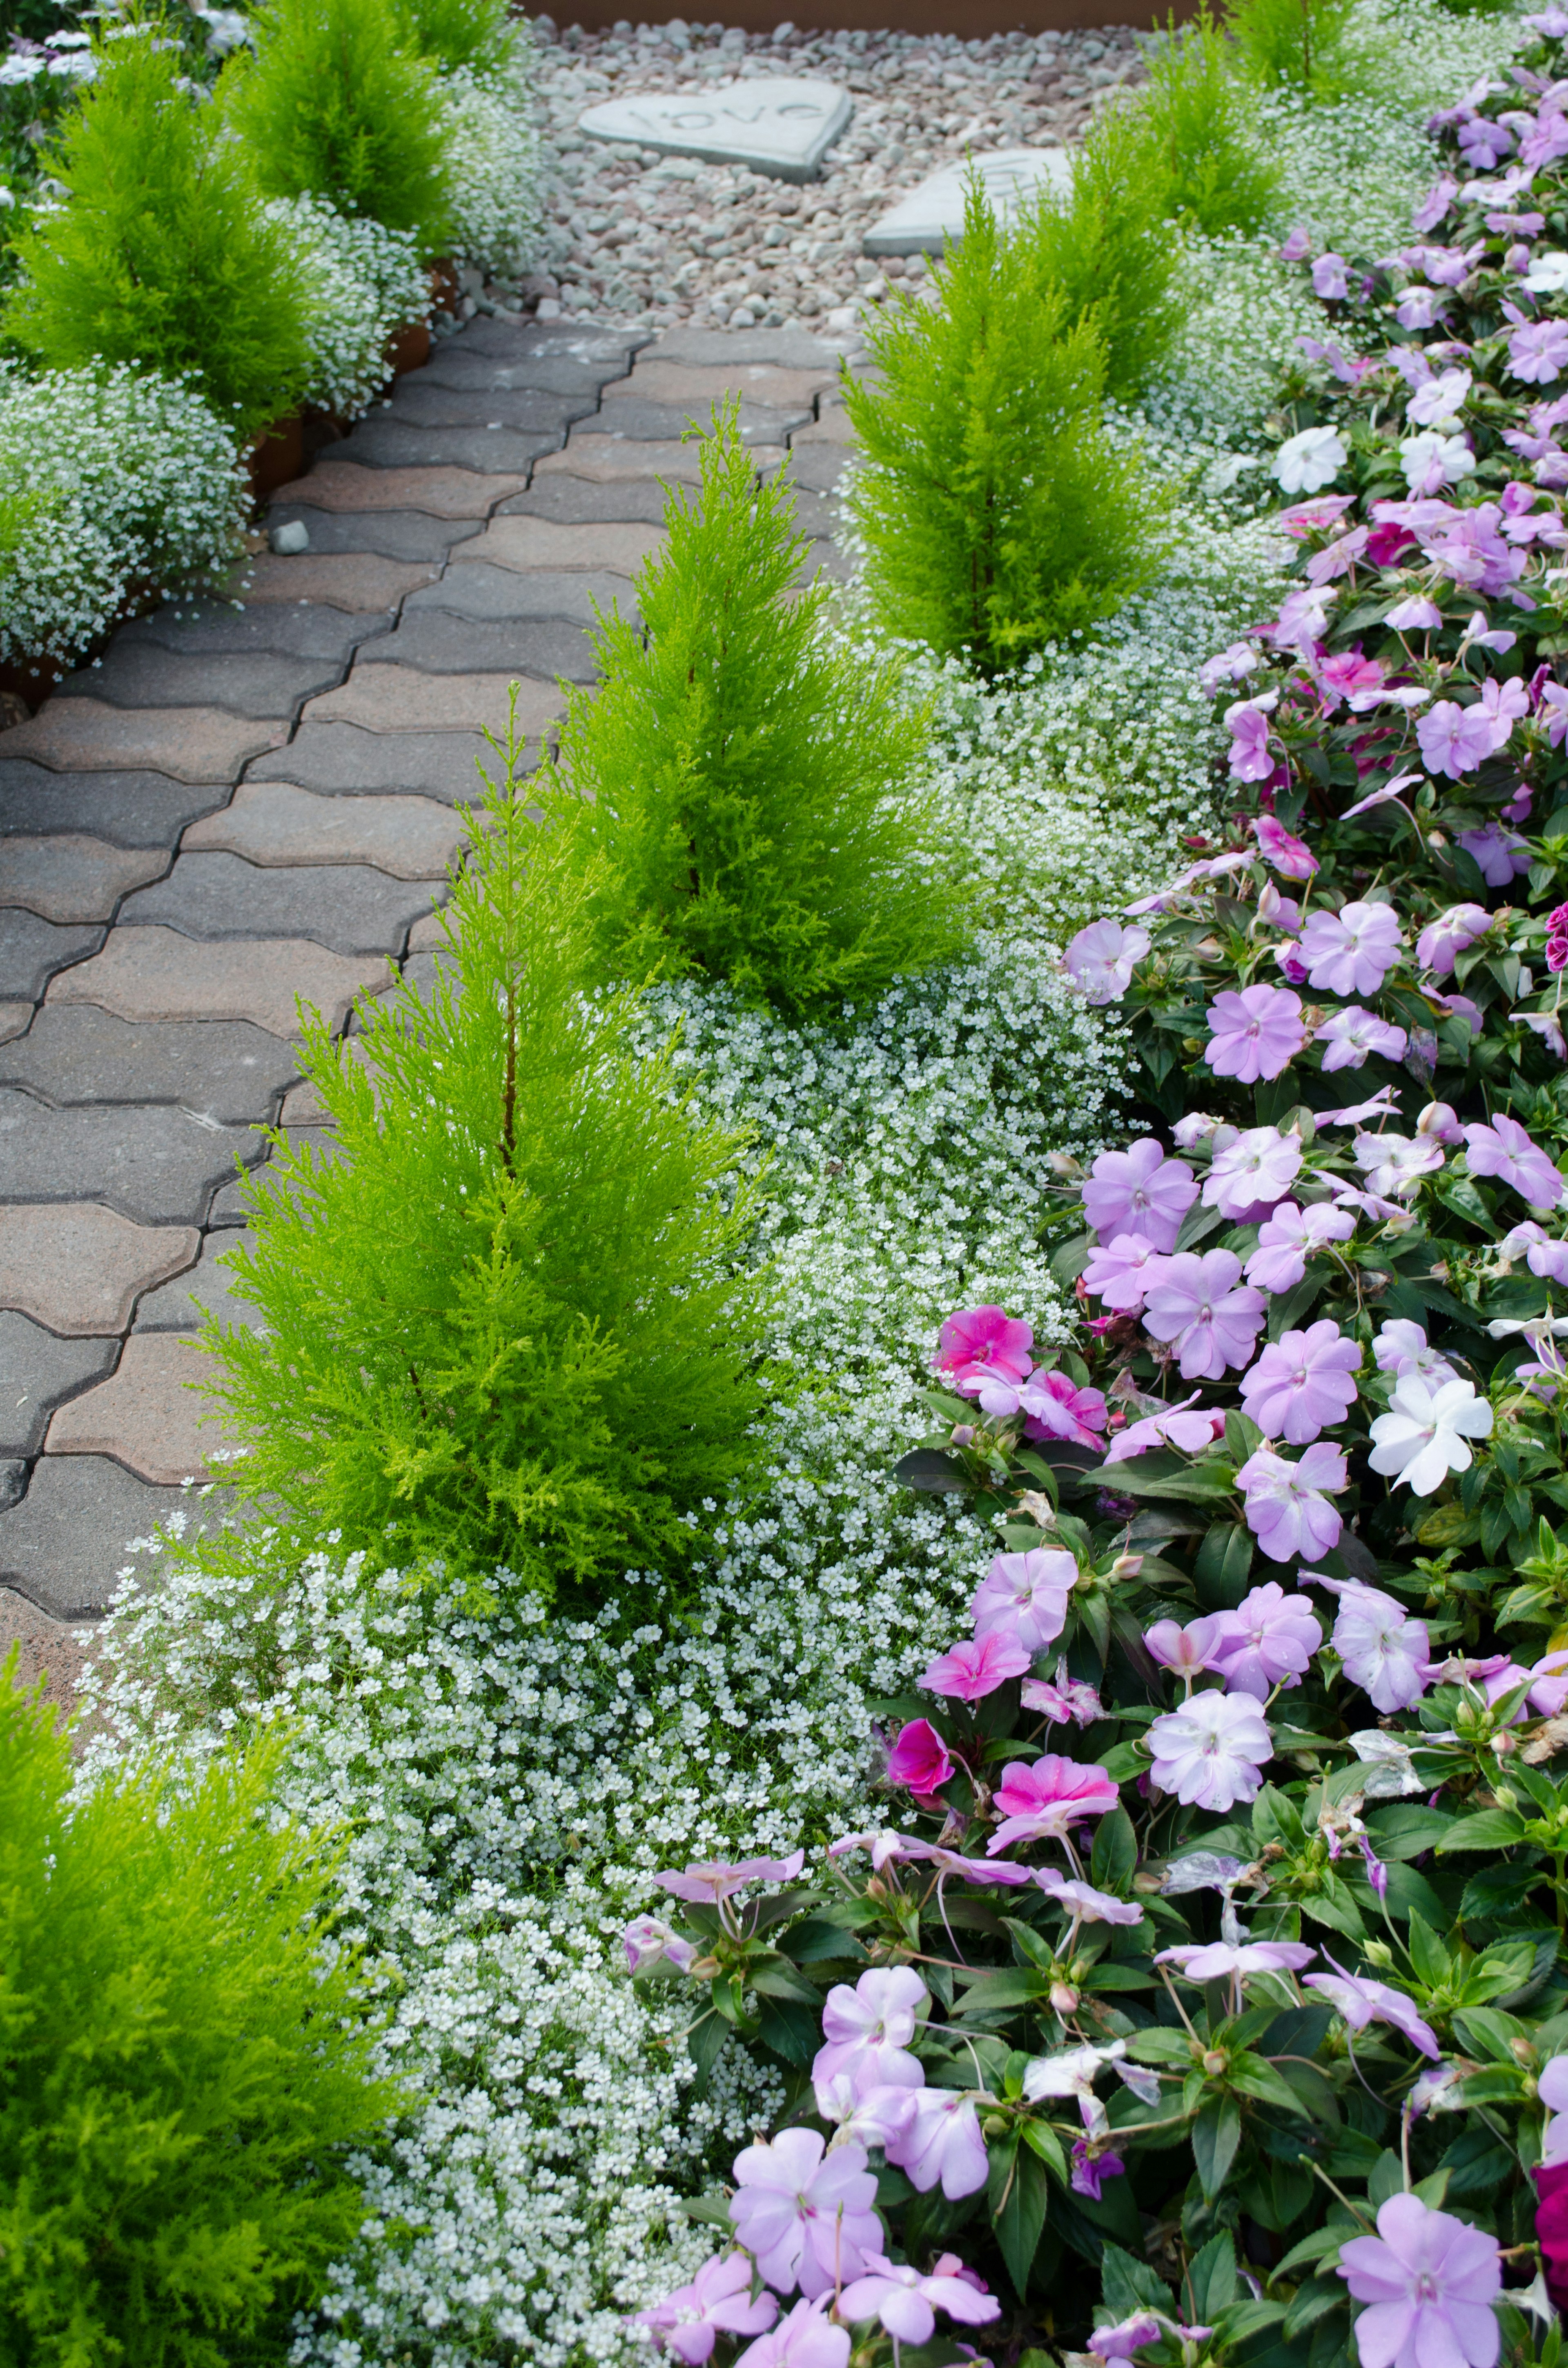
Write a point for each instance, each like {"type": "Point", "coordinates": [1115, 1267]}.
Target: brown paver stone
{"type": "Point", "coordinates": [47, 1652]}
{"type": "Point", "coordinates": [603, 457]}
{"type": "Point", "coordinates": [361, 582]}
{"type": "Point", "coordinates": [156, 974]}
{"type": "Point", "coordinates": [444, 492]}
{"type": "Point", "coordinates": [669, 381]}
{"type": "Point", "coordinates": [144, 1414]}
{"type": "Point", "coordinates": [522, 543]}
{"type": "Point", "coordinates": [402, 698]}
{"type": "Point", "coordinates": [193, 744]}
{"type": "Point", "coordinates": [833, 428]}
{"type": "Point", "coordinates": [273, 823]}
{"type": "Point", "coordinates": [79, 1268]}
{"type": "Point", "coordinates": [15, 1020]}
{"type": "Point", "coordinates": [71, 878]}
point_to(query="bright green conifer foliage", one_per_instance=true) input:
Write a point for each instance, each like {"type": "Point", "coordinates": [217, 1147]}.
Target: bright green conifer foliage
{"type": "Point", "coordinates": [1106, 250]}
{"type": "Point", "coordinates": [508, 1328]}
{"type": "Point", "coordinates": [748, 790]}
{"type": "Point", "coordinates": [473, 33]}
{"type": "Point", "coordinates": [1295, 43]}
{"type": "Point", "coordinates": [996, 514]}
{"type": "Point", "coordinates": [161, 257]}
{"type": "Point", "coordinates": [333, 103]}
{"type": "Point", "coordinates": [1194, 119]}
{"type": "Point", "coordinates": [179, 2076]}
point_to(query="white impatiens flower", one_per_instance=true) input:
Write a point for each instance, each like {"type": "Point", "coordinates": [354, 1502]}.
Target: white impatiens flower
{"type": "Point", "coordinates": [1307, 462]}
{"type": "Point", "coordinates": [1393, 1165]}
{"type": "Point", "coordinates": [1432, 460]}
{"type": "Point", "coordinates": [1426, 1433]}
{"type": "Point", "coordinates": [1547, 274]}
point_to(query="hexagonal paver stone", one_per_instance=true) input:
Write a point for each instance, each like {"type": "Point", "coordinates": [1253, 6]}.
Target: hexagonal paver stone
{"type": "Point", "coordinates": [68, 877]}
{"type": "Point", "coordinates": [634, 415]}
{"type": "Point", "coordinates": [439, 642]}
{"type": "Point", "coordinates": [158, 974]}
{"type": "Point", "coordinates": [358, 582]}
{"type": "Point", "coordinates": [142, 675]}
{"type": "Point", "coordinates": [410, 536]}
{"type": "Point", "coordinates": [193, 744]}
{"type": "Point", "coordinates": [38, 1372]}
{"type": "Point", "coordinates": [425, 402]}
{"type": "Point", "coordinates": [407, 699]}
{"type": "Point", "coordinates": [348, 906]}
{"type": "Point", "coordinates": [223, 1069]}
{"type": "Point", "coordinates": [209, 1289]}
{"type": "Point", "coordinates": [577, 501]}
{"type": "Point", "coordinates": [158, 1166]}
{"type": "Point", "coordinates": [214, 629]}
{"type": "Point", "coordinates": [76, 1268]}
{"type": "Point", "coordinates": [275, 823]}
{"type": "Point", "coordinates": [64, 1547]}
{"type": "Point", "coordinates": [342, 761]}
{"type": "Point", "coordinates": [535, 543]}
{"type": "Point", "coordinates": [445, 493]}
{"type": "Point", "coordinates": [32, 950]}
{"type": "Point", "coordinates": [499, 595]}
{"type": "Point", "coordinates": [127, 809]}
{"type": "Point", "coordinates": [384, 442]}
{"type": "Point", "coordinates": [147, 1415]}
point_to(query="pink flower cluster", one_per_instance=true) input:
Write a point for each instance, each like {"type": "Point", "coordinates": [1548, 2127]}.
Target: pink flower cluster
{"type": "Point", "coordinates": [985, 1353]}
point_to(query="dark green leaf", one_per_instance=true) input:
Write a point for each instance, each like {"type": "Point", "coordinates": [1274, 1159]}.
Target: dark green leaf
{"type": "Point", "coordinates": [1216, 2134]}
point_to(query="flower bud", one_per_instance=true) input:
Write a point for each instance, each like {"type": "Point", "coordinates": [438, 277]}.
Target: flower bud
{"type": "Point", "coordinates": [1063, 1998]}
{"type": "Point", "coordinates": [994, 2125]}
{"type": "Point", "coordinates": [1522, 2050]}
{"type": "Point", "coordinates": [1214, 2062]}
{"type": "Point", "coordinates": [1377, 1952]}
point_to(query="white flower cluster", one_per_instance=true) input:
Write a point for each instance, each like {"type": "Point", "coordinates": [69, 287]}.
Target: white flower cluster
{"type": "Point", "coordinates": [493, 157]}
{"type": "Point", "coordinates": [114, 482]}
{"type": "Point", "coordinates": [364, 282]}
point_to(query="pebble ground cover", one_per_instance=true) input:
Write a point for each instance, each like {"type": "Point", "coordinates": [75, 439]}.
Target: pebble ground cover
{"type": "Point", "coordinates": [514, 1783]}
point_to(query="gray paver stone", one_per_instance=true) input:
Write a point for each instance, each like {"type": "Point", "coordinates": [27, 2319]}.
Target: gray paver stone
{"type": "Point", "coordinates": [522, 341]}
{"type": "Point", "coordinates": [64, 1545]}
{"type": "Point", "coordinates": [127, 809]}
{"type": "Point", "coordinates": [217, 628]}
{"type": "Point", "coordinates": [157, 1166]}
{"type": "Point", "coordinates": [274, 823]}
{"type": "Point", "coordinates": [350, 907]}
{"type": "Point", "coordinates": [32, 950]}
{"type": "Point", "coordinates": [193, 744]}
{"type": "Point", "coordinates": [577, 501]}
{"type": "Point", "coordinates": [343, 760]}
{"type": "Point", "coordinates": [410, 535]}
{"type": "Point", "coordinates": [208, 1287]}
{"type": "Point", "coordinates": [781, 348]}
{"type": "Point", "coordinates": [422, 403]}
{"type": "Point", "coordinates": [12, 1489]}
{"type": "Point", "coordinates": [437, 642]}
{"type": "Point", "coordinates": [144, 675]}
{"type": "Point", "coordinates": [383, 442]}
{"type": "Point", "coordinates": [68, 877]}
{"type": "Point", "coordinates": [224, 1069]}
{"type": "Point", "coordinates": [38, 1372]}
{"type": "Point", "coordinates": [455, 366]}
{"type": "Point", "coordinates": [640, 420]}
{"type": "Point", "coordinates": [493, 595]}
{"type": "Point", "coordinates": [817, 468]}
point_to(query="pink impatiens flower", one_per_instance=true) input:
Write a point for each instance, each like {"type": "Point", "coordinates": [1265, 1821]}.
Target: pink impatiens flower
{"type": "Point", "coordinates": [718, 2301]}
{"type": "Point", "coordinates": [714, 1880]}
{"type": "Point", "coordinates": [1219, 1961]}
{"type": "Point", "coordinates": [1361, 2001]}
{"type": "Point", "coordinates": [1039, 1799]}
{"type": "Point", "coordinates": [1254, 1171]}
{"type": "Point", "coordinates": [1190, 1650]}
{"type": "Point", "coordinates": [1351, 1034]}
{"type": "Point", "coordinates": [942, 2144]}
{"type": "Point", "coordinates": [1023, 1596]}
{"type": "Point", "coordinates": [972, 1670]}
{"type": "Point", "coordinates": [1290, 856]}
{"type": "Point", "coordinates": [1289, 1237]}
{"type": "Point", "coordinates": [649, 1940]}
{"type": "Point", "coordinates": [805, 2221]}
{"type": "Point", "coordinates": [1253, 1034]}
{"type": "Point", "coordinates": [1428, 2280]}
{"type": "Point", "coordinates": [1188, 1426]}
{"type": "Point", "coordinates": [1287, 1503]}
{"type": "Point", "coordinates": [868, 2030]}
{"type": "Point", "coordinates": [1139, 1190]}
{"type": "Point", "coordinates": [1100, 960]}
{"type": "Point", "coordinates": [983, 1341]}
{"type": "Point", "coordinates": [1454, 740]}
{"type": "Point", "coordinates": [1211, 1318]}
{"type": "Point", "coordinates": [1212, 1751]}
{"type": "Point", "coordinates": [1504, 1149]}
{"type": "Point", "coordinates": [1351, 951]}
{"type": "Point", "coordinates": [1451, 934]}
{"type": "Point", "coordinates": [906, 2303]}
{"type": "Point", "coordinates": [1267, 1640]}
{"type": "Point", "coordinates": [1117, 1276]}
{"type": "Point", "coordinates": [807, 2339]}
{"type": "Point", "coordinates": [920, 1759]}
{"type": "Point", "coordinates": [1067, 1701]}
{"type": "Point", "coordinates": [1384, 1651]}
{"type": "Point", "coordinates": [1082, 1902]}
{"type": "Point", "coordinates": [1247, 721]}
{"type": "Point", "coordinates": [1303, 1382]}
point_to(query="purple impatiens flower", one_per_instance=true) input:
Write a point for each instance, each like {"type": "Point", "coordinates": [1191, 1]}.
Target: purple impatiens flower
{"type": "Point", "coordinates": [1303, 1382]}
{"type": "Point", "coordinates": [1351, 951]}
{"type": "Point", "coordinates": [1454, 739]}
{"type": "Point", "coordinates": [1289, 1236]}
{"type": "Point", "coordinates": [1211, 1318]}
{"type": "Point", "coordinates": [1255, 1033]}
{"type": "Point", "coordinates": [1351, 1034]}
{"type": "Point", "coordinates": [1212, 1751]}
{"type": "Point", "coordinates": [1139, 1190]}
{"type": "Point", "coordinates": [803, 2220]}
{"type": "Point", "coordinates": [1287, 1503]}
{"type": "Point", "coordinates": [1100, 959]}
{"type": "Point", "coordinates": [1428, 2281]}
{"type": "Point", "coordinates": [1254, 1172]}
{"type": "Point", "coordinates": [1268, 1640]}
{"type": "Point", "coordinates": [1361, 2001]}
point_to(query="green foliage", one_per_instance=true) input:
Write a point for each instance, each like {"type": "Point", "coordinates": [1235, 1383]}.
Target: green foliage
{"type": "Point", "coordinates": [996, 513]}
{"type": "Point", "coordinates": [744, 791]}
{"type": "Point", "coordinates": [181, 2069]}
{"type": "Point", "coordinates": [1104, 248]}
{"type": "Point", "coordinates": [1293, 43]}
{"type": "Point", "coordinates": [332, 104]}
{"type": "Point", "coordinates": [1194, 122]}
{"type": "Point", "coordinates": [506, 1329]}
{"type": "Point", "coordinates": [160, 257]}
{"type": "Point", "coordinates": [474, 33]}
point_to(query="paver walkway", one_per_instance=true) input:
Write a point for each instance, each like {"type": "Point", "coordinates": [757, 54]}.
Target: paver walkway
{"type": "Point", "coordinates": [241, 806]}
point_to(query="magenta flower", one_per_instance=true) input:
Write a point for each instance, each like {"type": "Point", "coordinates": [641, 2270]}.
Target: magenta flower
{"type": "Point", "coordinates": [1210, 1322]}
{"type": "Point", "coordinates": [1352, 1034]}
{"type": "Point", "coordinates": [1220, 1961]}
{"type": "Point", "coordinates": [906, 2303]}
{"type": "Point", "coordinates": [1083, 1903]}
{"type": "Point", "coordinates": [1212, 1751]}
{"type": "Point", "coordinates": [649, 1940]}
{"type": "Point", "coordinates": [971, 1671]}
{"type": "Point", "coordinates": [1427, 2279]}
{"type": "Point", "coordinates": [1267, 1640]}
{"type": "Point", "coordinates": [1253, 1034]}
{"type": "Point", "coordinates": [1191, 1431]}
{"type": "Point", "coordinates": [1454, 740]}
{"type": "Point", "coordinates": [1504, 1149]}
{"type": "Point", "coordinates": [919, 1759]}
{"type": "Point", "coordinates": [1065, 1700]}
{"type": "Point", "coordinates": [980, 1341]}
{"type": "Point", "coordinates": [1023, 1596]}
{"type": "Point", "coordinates": [1100, 960]}
{"type": "Point", "coordinates": [1093, 2164]}
{"type": "Point", "coordinates": [709, 1883]}
{"type": "Point", "coordinates": [1118, 1276]}
{"type": "Point", "coordinates": [1351, 951]}
{"type": "Point", "coordinates": [1290, 856]}
{"type": "Point", "coordinates": [717, 2302]}
{"type": "Point", "coordinates": [1055, 1407]}
{"type": "Point", "coordinates": [868, 2030]}
{"type": "Point", "coordinates": [1287, 1508]}
{"type": "Point", "coordinates": [1288, 1238]}
{"type": "Point", "coordinates": [1254, 1172]}
{"type": "Point", "coordinates": [807, 2339]}
{"type": "Point", "coordinates": [1383, 1650]}
{"type": "Point", "coordinates": [802, 2220]}
{"type": "Point", "coordinates": [1039, 1799]}
{"type": "Point", "coordinates": [1139, 1190]}
{"type": "Point", "coordinates": [942, 2145]}
{"type": "Point", "coordinates": [1451, 934]}
{"type": "Point", "coordinates": [1361, 2001]}
{"type": "Point", "coordinates": [1190, 1650]}
{"type": "Point", "coordinates": [1303, 1382]}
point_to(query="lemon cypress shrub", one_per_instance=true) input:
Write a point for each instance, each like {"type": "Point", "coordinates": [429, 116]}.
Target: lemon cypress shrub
{"type": "Point", "coordinates": [477, 34]}
{"type": "Point", "coordinates": [160, 256]}
{"type": "Point", "coordinates": [1104, 248]}
{"type": "Point", "coordinates": [1293, 44]}
{"type": "Point", "coordinates": [1194, 122]}
{"type": "Point", "coordinates": [511, 1327]}
{"type": "Point", "coordinates": [744, 793]}
{"type": "Point", "coordinates": [996, 514]}
{"type": "Point", "coordinates": [187, 2056]}
{"type": "Point", "coordinates": [332, 103]}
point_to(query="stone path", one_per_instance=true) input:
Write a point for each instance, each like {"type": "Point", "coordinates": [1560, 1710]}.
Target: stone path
{"type": "Point", "coordinates": [242, 806]}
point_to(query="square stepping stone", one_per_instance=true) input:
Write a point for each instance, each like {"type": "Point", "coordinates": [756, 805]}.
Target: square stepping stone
{"type": "Point", "coordinates": [127, 809]}
{"type": "Point", "coordinates": [221, 1069]}
{"type": "Point", "coordinates": [64, 1547]}
{"type": "Point", "coordinates": [276, 822]}
{"type": "Point", "coordinates": [149, 1415]}
{"type": "Point", "coordinates": [33, 950]}
{"type": "Point", "coordinates": [37, 1372]}
{"type": "Point", "coordinates": [69, 878]}
{"type": "Point", "coordinates": [496, 595]}
{"type": "Point", "coordinates": [162, 974]}
{"type": "Point", "coordinates": [343, 760]}
{"type": "Point", "coordinates": [206, 1289]}
{"type": "Point", "coordinates": [192, 744]}
{"type": "Point", "coordinates": [158, 1166]}
{"type": "Point", "coordinates": [930, 216]}
{"type": "Point", "coordinates": [78, 1268]}
{"type": "Point", "coordinates": [780, 124]}
{"type": "Point", "coordinates": [351, 907]}
{"type": "Point", "coordinates": [403, 698]}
